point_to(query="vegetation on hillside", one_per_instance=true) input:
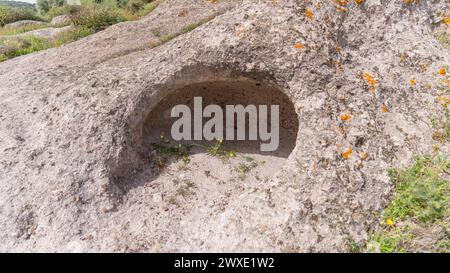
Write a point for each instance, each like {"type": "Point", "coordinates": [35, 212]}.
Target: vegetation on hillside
{"type": "Point", "coordinates": [11, 14]}
{"type": "Point", "coordinates": [90, 17]}
{"type": "Point", "coordinates": [17, 4]}
{"type": "Point", "coordinates": [418, 217]}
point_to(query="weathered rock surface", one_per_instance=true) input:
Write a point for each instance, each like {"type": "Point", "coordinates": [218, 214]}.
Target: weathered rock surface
{"type": "Point", "coordinates": [71, 123]}
{"type": "Point", "coordinates": [3, 49]}
{"type": "Point", "coordinates": [47, 33]}
{"type": "Point", "coordinates": [23, 23]}
{"type": "Point", "coordinates": [60, 20]}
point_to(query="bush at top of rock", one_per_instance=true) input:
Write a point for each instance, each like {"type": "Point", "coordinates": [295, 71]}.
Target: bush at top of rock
{"type": "Point", "coordinates": [10, 15]}
{"type": "Point", "coordinates": [45, 5]}
{"type": "Point", "coordinates": [61, 10]}
{"type": "Point", "coordinates": [97, 17]}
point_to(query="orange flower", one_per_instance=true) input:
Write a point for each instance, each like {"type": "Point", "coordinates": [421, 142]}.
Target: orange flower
{"type": "Point", "coordinates": [384, 109]}
{"type": "Point", "coordinates": [370, 80]}
{"type": "Point", "coordinates": [345, 117]}
{"type": "Point", "coordinates": [347, 154]}
{"type": "Point", "coordinates": [446, 20]}
{"type": "Point", "coordinates": [309, 14]}
{"type": "Point", "coordinates": [413, 82]}
{"type": "Point", "coordinates": [442, 71]}
{"type": "Point", "coordinates": [359, 2]}
{"type": "Point", "coordinates": [298, 46]}
{"type": "Point", "coordinates": [342, 2]}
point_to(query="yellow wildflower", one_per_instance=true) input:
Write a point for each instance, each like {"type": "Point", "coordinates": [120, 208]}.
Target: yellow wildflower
{"type": "Point", "coordinates": [390, 222]}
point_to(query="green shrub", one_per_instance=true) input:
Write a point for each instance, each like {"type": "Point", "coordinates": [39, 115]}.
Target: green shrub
{"type": "Point", "coordinates": [420, 191]}
{"type": "Point", "coordinates": [96, 17]}
{"type": "Point", "coordinates": [10, 15]}
{"type": "Point", "coordinates": [421, 205]}
{"type": "Point", "coordinates": [72, 35]}
{"type": "Point", "coordinates": [61, 10]}
{"type": "Point", "coordinates": [134, 6]}
{"type": "Point", "coordinates": [45, 5]}
{"type": "Point", "coordinates": [25, 45]}
{"type": "Point", "coordinates": [149, 7]}
{"type": "Point", "coordinates": [22, 29]}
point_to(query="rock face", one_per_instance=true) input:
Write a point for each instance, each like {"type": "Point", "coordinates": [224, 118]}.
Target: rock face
{"type": "Point", "coordinates": [23, 23]}
{"type": "Point", "coordinates": [48, 33]}
{"type": "Point", "coordinates": [60, 20]}
{"type": "Point", "coordinates": [3, 49]}
{"type": "Point", "coordinates": [74, 160]}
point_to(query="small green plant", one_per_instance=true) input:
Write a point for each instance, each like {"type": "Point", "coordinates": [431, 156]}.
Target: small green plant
{"type": "Point", "coordinates": [249, 158]}
{"type": "Point", "coordinates": [185, 187]}
{"type": "Point", "coordinates": [72, 35]}
{"type": "Point", "coordinates": [443, 38]}
{"type": "Point", "coordinates": [386, 243]}
{"type": "Point", "coordinates": [217, 149]}
{"type": "Point", "coordinates": [178, 151]}
{"type": "Point", "coordinates": [352, 246]}
{"type": "Point", "coordinates": [157, 33]}
{"type": "Point", "coordinates": [149, 7]}
{"type": "Point", "coordinates": [441, 127]}
{"type": "Point", "coordinates": [243, 169]}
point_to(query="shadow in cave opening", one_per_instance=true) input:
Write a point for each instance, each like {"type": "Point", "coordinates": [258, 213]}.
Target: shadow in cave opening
{"type": "Point", "coordinates": [159, 122]}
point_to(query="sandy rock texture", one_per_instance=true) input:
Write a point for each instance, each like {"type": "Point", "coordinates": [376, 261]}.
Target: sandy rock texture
{"type": "Point", "coordinates": [24, 23]}
{"type": "Point", "coordinates": [60, 20]}
{"type": "Point", "coordinates": [76, 173]}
